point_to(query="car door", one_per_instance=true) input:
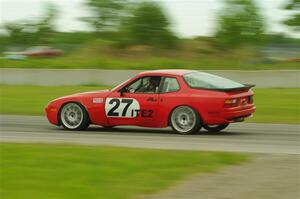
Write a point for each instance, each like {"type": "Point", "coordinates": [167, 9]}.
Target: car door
{"type": "Point", "coordinates": [133, 104]}
{"type": "Point", "coordinates": [169, 97]}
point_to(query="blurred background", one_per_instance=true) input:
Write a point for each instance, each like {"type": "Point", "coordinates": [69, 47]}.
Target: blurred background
{"type": "Point", "coordinates": [53, 48]}
{"type": "Point", "coordinates": [134, 34]}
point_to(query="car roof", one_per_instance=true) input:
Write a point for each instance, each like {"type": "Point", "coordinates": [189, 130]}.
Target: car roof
{"type": "Point", "coordinates": [173, 72]}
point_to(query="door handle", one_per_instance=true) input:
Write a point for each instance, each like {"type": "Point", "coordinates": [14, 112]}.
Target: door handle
{"type": "Point", "coordinates": [151, 99]}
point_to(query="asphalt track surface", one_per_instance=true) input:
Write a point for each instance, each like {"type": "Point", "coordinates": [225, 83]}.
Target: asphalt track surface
{"type": "Point", "coordinates": [239, 137]}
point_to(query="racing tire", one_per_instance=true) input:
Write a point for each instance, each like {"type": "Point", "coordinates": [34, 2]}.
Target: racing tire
{"type": "Point", "coordinates": [73, 116]}
{"type": "Point", "coordinates": [185, 120]}
{"type": "Point", "coordinates": [214, 128]}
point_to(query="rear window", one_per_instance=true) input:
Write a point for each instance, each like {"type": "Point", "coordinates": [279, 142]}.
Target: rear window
{"type": "Point", "coordinates": [209, 81]}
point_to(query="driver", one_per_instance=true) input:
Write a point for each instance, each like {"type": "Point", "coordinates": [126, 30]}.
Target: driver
{"type": "Point", "coordinates": [153, 85]}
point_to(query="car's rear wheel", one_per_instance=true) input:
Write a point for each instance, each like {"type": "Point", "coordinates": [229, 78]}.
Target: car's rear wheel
{"type": "Point", "coordinates": [185, 120]}
{"type": "Point", "coordinates": [73, 116]}
{"type": "Point", "coordinates": [215, 128]}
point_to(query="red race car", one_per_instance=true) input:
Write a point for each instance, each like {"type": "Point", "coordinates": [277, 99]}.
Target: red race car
{"type": "Point", "coordinates": [42, 51]}
{"type": "Point", "coordinates": [183, 99]}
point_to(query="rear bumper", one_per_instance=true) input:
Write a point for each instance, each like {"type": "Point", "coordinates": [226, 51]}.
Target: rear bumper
{"type": "Point", "coordinates": [238, 115]}
{"type": "Point", "coordinates": [230, 115]}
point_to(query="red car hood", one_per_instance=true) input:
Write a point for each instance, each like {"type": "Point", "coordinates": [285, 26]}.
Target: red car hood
{"type": "Point", "coordinates": [100, 93]}
{"type": "Point", "coordinates": [92, 93]}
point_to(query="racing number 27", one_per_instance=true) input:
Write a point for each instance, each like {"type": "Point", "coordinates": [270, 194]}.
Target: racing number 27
{"type": "Point", "coordinates": [116, 105]}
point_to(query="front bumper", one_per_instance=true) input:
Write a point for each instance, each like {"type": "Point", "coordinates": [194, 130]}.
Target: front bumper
{"type": "Point", "coordinates": [52, 114]}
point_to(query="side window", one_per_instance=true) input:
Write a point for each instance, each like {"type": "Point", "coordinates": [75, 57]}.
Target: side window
{"type": "Point", "coordinates": [133, 87]}
{"type": "Point", "coordinates": [144, 85]}
{"type": "Point", "coordinates": [170, 85]}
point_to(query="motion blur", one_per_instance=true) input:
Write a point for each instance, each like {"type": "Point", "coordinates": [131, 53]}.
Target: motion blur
{"type": "Point", "coordinates": [55, 48]}
{"type": "Point", "coordinates": [130, 34]}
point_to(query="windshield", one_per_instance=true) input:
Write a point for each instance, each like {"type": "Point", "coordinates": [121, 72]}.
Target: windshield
{"type": "Point", "coordinates": [209, 81]}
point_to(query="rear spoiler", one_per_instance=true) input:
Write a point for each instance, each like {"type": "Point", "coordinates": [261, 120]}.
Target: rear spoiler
{"type": "Point", "coordinates": [246, 87]}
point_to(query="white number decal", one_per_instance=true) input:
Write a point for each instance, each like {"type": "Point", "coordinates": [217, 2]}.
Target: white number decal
{"type": "Point", "coordinates": [121, 107]}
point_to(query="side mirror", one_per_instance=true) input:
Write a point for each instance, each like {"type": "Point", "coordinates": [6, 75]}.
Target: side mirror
{"type": "Point", "coordinates": [122, 91]}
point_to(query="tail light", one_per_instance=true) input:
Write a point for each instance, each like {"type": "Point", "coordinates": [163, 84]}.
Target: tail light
{"type": "Point", "coordinates": [230, 103]}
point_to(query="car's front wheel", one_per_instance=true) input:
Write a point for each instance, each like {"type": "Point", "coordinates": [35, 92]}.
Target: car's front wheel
{"type": "Point", "coordinates": [185, 120]}
{"type": "Point", "coordinates": [73, 116]}
{"type": "Point", "coordinates": [215, 128]}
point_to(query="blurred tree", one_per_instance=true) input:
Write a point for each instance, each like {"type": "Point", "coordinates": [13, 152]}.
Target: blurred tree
{"type": "Point", "coordinates": [20, 33]}
{"type": "Point", "coordinates": [45, 28]}
{"type": "Point", "coordinates": [294, 20]}
{"type": "Point", "coordinates": [239, 24]}
{"type": "Point", "coordinates": [106, 14]}
{"type": "Point", "coordinates": [33, 32]}
{"type": "Point", "coordinates": [149, 25]}
{"type": "Point", "coordinates": [15, 32]}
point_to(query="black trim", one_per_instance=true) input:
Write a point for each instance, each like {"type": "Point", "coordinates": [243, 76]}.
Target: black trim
{"type": "Point", "coordinates": [161, 84]}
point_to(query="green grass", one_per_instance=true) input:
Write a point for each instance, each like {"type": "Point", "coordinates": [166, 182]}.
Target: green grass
{"type": "Point", "coordinates": [273, 105]}
{"type": "Point", "coordinates": [199, 55]}
{"type": "Point", "coordinates": [277, 105]}
{"type": "Point", "coordinates": [31, 100]}
{"type": "Point", "coordinates": [70, 171]}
